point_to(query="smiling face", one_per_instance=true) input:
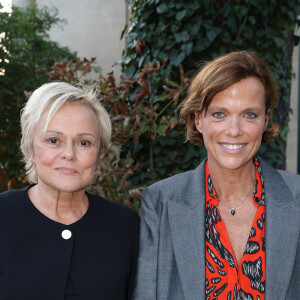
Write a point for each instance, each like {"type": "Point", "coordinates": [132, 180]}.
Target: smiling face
{"type": "Point", "coordinates": [66, 154]}
{"type": "Point", "coordinates": [234, 123]}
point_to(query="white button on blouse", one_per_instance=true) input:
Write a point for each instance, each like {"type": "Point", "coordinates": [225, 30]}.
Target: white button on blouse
{"type": "Point", "coordinates": [66, 234]}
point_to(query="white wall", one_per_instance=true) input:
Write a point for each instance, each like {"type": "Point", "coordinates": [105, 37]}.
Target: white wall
{"type": "Point", "coordinates": [93, 28]}
{"type": "Point", "coordinates": [23, 3]}
{"type": "Point", "coordinates": [291, 151]}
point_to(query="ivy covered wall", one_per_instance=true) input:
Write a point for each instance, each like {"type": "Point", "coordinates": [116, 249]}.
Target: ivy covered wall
{"type": "Point", "coordinates": [189, 33]}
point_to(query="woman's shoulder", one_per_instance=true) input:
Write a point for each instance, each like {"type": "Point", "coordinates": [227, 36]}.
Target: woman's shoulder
{"type": "Point", "coordinates": [275, 178]}
{"type": "Point", "coordinates": [292, 180]}
{"type": "Point", "coordinates": [12, 195]}
{"type": "Point", "coordinates": [12, 203]}
{"type": "Point", "coordinates": [289, 176]}
{"type": "Point", "coordinates": [172, 182]}
{"type": "Point", "coordinates": [174, 187]}
{"type": "Point", "coordinates": [177, 182]}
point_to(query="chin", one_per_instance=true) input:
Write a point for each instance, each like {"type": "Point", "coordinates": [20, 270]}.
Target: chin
{"type": "Point", "coordinates": [68, 186]}
{"type": "Point", "coordinates": [235, 163]}
{"type": "Point", "coordinates": [65, 188]}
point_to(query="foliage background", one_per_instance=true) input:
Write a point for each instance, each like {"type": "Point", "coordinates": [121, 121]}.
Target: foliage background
{"type": "Point", "coordinates": [29, 52]}
{"type": "Point", "coordinates": [192, 32]}
{"type": "Point", "coordinates": [167, 42]}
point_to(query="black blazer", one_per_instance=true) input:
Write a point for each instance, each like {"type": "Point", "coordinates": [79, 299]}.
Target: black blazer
{"type": "Point", "coordinates": [35, 260]}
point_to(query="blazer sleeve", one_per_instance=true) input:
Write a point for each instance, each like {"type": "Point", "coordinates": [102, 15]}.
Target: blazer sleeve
{"type": "Point", "coordinates": [148, 251]}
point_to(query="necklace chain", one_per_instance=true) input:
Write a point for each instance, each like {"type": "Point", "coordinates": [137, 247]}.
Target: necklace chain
{"type": "Point", "coordinates": [235, 207]}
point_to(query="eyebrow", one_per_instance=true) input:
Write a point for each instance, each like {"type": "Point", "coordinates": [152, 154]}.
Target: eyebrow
{"type": "Point", "coordinates": [61, 133]}
{"type": "Point", "coordinates": [226, 109]}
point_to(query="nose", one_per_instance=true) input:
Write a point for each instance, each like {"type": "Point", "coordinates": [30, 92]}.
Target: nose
{"type": "Point", "coordinates": [234, 127]}
{"type": "Point", "coordinates": [68, 151]}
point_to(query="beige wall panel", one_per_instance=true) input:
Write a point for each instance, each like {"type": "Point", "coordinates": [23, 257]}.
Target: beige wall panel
{"type": "Point", "coordinates": [291, 151]}
{"type": "Point", "coordinates": [93, 28]}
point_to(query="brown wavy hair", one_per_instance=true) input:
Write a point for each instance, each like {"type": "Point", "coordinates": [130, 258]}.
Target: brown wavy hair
{"type": "Point", "coordinates": [218, 75]}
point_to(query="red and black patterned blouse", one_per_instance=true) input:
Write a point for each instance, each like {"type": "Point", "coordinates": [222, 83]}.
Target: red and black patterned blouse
{"type": "Point", "coordinates": [225, 279]}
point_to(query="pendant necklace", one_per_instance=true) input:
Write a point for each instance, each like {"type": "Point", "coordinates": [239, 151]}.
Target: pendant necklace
{"type": "Point", "coordinates": [235, 207]}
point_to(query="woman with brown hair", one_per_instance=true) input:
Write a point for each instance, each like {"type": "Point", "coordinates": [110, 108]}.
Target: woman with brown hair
{"type": "Point", "coordinates": [230, 228]}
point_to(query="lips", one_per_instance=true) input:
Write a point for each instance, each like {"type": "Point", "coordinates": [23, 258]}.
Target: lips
{"type": "Point", "coordinates": [232, 146]}
{"type": "Point", "coordinates": [65, 170]}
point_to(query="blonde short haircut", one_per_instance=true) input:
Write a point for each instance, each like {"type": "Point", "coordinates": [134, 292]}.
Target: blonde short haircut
{"type": "Point", "coordinates": [52, 96]}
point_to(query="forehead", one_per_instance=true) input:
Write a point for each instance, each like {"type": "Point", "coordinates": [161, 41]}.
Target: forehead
{"type": "Point", "coordinates": [249, 91]}
{"type": "Point", "coordinates": [69, 117]}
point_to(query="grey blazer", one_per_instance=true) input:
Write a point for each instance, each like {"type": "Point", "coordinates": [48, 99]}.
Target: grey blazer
{"type": "Point", "coordinates": [171, 262]}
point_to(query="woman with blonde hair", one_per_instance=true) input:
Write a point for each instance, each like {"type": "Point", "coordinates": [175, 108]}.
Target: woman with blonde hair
{"type": "Point", "coordinates": [229, 229]}
{"type": "Point", "coordinates": [57, 240]}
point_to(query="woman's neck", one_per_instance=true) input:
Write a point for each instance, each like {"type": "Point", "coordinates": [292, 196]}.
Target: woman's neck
{"type": "Point", "coordinates": [232, 185]}
{"type": "Point", "coordinates": [62, 207]}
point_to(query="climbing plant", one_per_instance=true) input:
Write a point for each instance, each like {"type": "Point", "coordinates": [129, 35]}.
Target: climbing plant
{"type": "Point", "coordinates": [25, 53]}
{"type": "Point", "coordinates": [131, 118]}
{"type": "Point", "coordinates": [167, 42]}
{"type": "Point", "coordinates": [188, 33]}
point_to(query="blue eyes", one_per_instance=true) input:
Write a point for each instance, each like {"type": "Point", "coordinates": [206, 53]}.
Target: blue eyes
{"type": "Point", "coordinates": [220, 115]}
{"type": "Point", "coordinates": [250, 115]}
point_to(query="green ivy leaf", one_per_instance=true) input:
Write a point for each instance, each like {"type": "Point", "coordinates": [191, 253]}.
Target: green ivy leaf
{"type": "Point", "coordinates": [194, 31]}
{"type": "Point", "coordinates": [212, 33]}
{"type": "Point", "coordinates": [279, 42]}
{"type": "Point", "coordinates": [176, 59]}
{"type": "Point", "coordinates": [232, 24]}
{"type": "Point", "coordinates": [252, 19]}
{"type": "Point", "coordinates": [174, 28]}
{"type": "Point", "coordinates": [180, 15]}
{"type": "Point", "coordinates": [187, 48]}
{"type": "Point", "coordinates": [182, 36]}
{"type": "Point", "coordinates": [195, 28]}
{"type": "Point", "coordinates": [162, 8]}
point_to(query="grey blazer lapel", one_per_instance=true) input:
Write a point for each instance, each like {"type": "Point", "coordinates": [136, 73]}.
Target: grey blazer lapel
{"type": "Point", "coordinates": [282, 214]}
{"type": "Point", "coordinates": [187, 225]}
